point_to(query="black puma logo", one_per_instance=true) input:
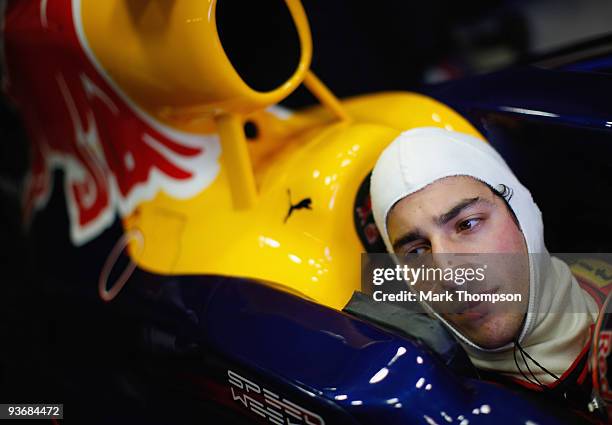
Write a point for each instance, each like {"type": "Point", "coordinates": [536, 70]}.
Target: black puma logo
{"type": "Point", "coordinates": [304, 203]}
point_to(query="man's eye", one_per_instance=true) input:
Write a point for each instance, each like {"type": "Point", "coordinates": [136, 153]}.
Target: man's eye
{"type": "Point", "coordinates": [419, 250]}
{"type": "Point", "coordinates": [468, 224]}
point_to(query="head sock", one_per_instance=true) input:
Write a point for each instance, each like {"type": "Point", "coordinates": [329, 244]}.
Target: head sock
{"type": "Point", "coordinates": [422, 156]}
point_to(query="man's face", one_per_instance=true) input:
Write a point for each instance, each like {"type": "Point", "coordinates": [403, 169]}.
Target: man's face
{"type": "Point", "coordinates": [461, 215]}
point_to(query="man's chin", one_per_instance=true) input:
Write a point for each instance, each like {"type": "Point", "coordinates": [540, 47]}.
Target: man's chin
{"type": "Point", "coordinates": [488, 330]}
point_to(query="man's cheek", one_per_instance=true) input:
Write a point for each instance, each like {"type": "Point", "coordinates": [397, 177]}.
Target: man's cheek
{"type": "Point", "coordinates": [508, 238]}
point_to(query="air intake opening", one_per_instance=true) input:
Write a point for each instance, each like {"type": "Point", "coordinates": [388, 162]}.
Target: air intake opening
{"type": "Point", "coordinates": [260, 40]}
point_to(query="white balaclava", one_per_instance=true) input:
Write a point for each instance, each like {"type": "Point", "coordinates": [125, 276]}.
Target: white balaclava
{"type": "Point", "coordinates": [422, 156]}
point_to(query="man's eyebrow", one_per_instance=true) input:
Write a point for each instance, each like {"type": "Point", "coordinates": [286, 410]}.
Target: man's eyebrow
{"type": "Point", "coordinates": [411, 236]}
{"type": "Point", "coordinates": [442, 219]}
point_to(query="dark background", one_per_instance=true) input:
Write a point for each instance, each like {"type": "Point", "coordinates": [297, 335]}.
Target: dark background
{"type": "Point", "coordinates": [359, 47]}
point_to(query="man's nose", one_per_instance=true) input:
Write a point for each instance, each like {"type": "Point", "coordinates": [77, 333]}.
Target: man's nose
{"type": "Point", "coordinates": [444, 257]}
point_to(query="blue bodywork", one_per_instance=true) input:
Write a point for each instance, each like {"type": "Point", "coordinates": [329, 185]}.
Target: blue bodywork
{"type": "Point", "coordinates": [564, 97]}
{"type": "Point", "coordinates": [341, 369]}
{"type": "Point", "coordinates": [552, 123]}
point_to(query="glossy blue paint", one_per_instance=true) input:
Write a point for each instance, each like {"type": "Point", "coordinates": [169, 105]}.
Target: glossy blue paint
{"type": "Point", "coordinates": [552, 123]}
{"type": "Point", "coordinates": [577, 99]}
{"type": "Point", "coordinates": [599, 64]}
{"type": "Point", "coordinates": [341, 368]}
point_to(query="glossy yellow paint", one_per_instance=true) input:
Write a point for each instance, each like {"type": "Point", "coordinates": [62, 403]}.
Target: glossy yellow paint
{"type": "Point", "coordinates": [316, 252]}
{"type": "Point", "coordinates": [167, 56]}
{"type": "Point", "coordinates": [325, 96]}
{"type": "Point", "coordinates": [171, 65]}
{"type": "Point", "coordinates": [236, 155]}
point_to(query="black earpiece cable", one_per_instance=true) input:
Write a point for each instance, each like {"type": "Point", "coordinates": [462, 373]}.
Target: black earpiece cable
{"type": "Point", "coordinates": [525, 353]}
{"type": "Point", "coordinates": [519, 368]}
{"type": "Point", "coordinates": [534, 360]}
{"type": "Point", "coordinates": [529, 369]}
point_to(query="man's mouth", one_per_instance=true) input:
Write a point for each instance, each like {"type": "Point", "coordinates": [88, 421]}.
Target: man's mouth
{"type": "Point", "coordinates": [475, 309]}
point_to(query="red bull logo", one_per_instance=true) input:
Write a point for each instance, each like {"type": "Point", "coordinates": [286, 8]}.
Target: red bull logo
{"type": "Point", "coordinates": [112, 155]}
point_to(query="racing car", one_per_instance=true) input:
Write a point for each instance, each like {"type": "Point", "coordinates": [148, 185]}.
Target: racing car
{"type": "Point", "coordinates": [198, 246]}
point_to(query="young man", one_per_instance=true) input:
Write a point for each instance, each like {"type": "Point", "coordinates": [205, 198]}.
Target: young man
{"type": "Point", "coordinates": [441, 192]}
